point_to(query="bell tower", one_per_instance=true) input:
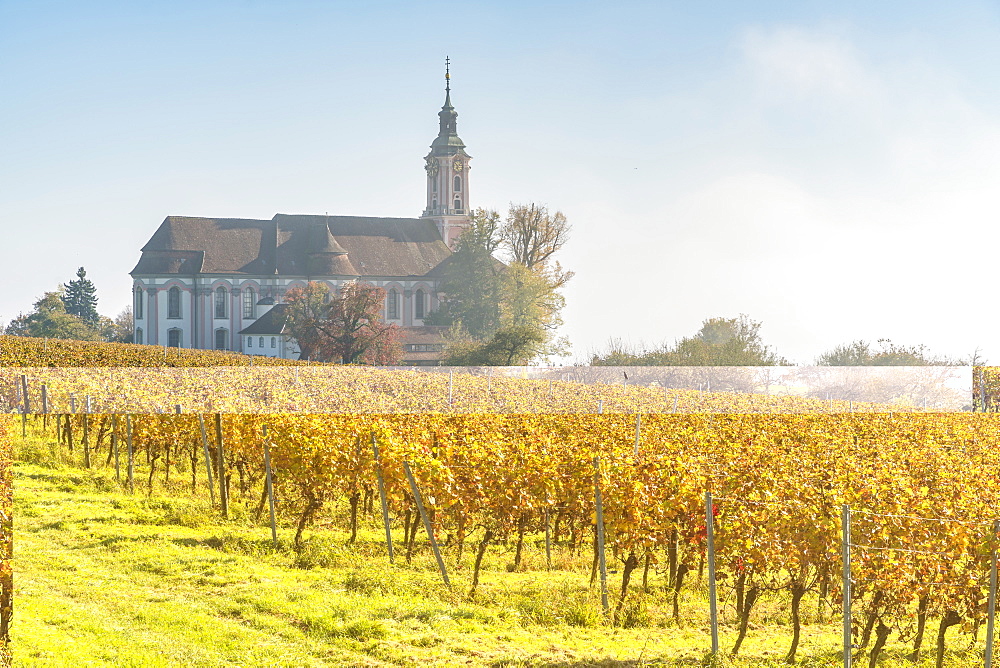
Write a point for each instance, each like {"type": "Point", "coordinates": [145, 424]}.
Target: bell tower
{"type": "Point", "coordinates": [447, 167]}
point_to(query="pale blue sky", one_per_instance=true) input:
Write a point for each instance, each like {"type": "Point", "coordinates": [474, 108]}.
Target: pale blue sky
{"type": "Point", "coordinates": [830, 169]}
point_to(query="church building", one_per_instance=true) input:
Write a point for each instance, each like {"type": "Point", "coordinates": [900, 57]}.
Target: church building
{"type": "Point", "coordinates": [219, 283]}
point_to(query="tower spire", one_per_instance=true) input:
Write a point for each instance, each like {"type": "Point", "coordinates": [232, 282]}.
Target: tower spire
{"type": "Point", "coordinates": [448, 116]}
{"type": "Point", "coordinates": [447, 88]}
{"type": "Point", "coordinates": [447, 168]}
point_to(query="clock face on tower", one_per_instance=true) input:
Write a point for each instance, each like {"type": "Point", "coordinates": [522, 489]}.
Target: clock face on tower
{"type": "Point", "coordinates": [431, 166]}
{"type": "Point", "coordinates": [457, 165]}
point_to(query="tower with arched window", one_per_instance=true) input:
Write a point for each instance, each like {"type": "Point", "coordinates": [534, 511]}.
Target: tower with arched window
{"type": "Point", "coordinates": [447, 167]}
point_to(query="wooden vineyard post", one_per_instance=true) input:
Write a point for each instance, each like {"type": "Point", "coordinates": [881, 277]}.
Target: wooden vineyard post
{"type": "Point", "coordinates": [86, 434]}
{"type": "Point", "coordinates": [982, 390]}
{"type": "Point", "coordinates": [72, 403]}
{"type": "Point", "coordinates": [451, 386]}
{"type": "Point", "coordinates": [131, 453]}
{"type": "Point", "coordinates": [548, 542]}
{"type": "Point", "coordinates": [24, 394]}
{"type": "Point", "coordinates": [270, 488]}
{"type": "Point", "coordinates": [27, 406]}
{"type": "Point", "coordinates": [600, 406]}
{"type": "Point", "coordinates": [600, 536]}
{"type": "Point", "coordinates": [69, 431]}
{"type": "Point", "coordinates": [427, 522]}
{"type": "Point", "coordinates": [223, 496]}
{"type": "Point", "coordinates": [45, 407]}
{"type": "Point", "coordinates": [208, 457]}
{"type": "Point", "coordinates": [114, 446]}
{"type": "Point", "coordinates": [992, 604]}
{"type": "Point", "coordinates": [713, 603]}
{"type": "Point", "coordinates": [638, 431]}
{"type": "Point", "coordinates": [846, 548]}
{"type": "Point", "coordinates": [385, 503]}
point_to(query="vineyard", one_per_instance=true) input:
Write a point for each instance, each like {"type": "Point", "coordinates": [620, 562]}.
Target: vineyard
{"type": "Point", "coordinates": [646, 504]}
{"type": "Point", "coordinates": [986, 388]}
{"type": "Point", "coordinates": [367, 390]}
{"type": "Point", "coordinates": [6, 538]}
{"type": "Point", "coordinates": [22, 351]}
{"type": "Point", "coordinates": [922, 492]}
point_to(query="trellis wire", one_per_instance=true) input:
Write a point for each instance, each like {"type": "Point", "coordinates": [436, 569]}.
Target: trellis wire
{"type": "Point", "coordinates": [924, 519]}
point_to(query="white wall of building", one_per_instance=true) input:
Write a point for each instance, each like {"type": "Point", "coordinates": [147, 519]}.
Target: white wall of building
{"type": "Point", "coordinates": [198, 324]}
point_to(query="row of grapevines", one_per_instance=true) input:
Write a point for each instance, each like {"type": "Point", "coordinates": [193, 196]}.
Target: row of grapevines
{"type": "Point", "coordinates": [923, 489]}
{"type": "Point", "coordinates": [338, 389]}
{"type": "Point", "coordinates": [24, 351]}
{"type": "Point", "coordinates": [6, 538]}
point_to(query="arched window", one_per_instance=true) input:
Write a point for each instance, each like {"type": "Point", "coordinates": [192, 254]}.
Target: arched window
{"type": "Point", "coordinates": [458, 184]}
{"type": "Point", "coordinates": [174, 339]}
{"type": "Point", "coordinates": [222, 339]}
{"type": "Point", "coordinates": [261, 342]}
{"type": "Point", "coordinates": [137, 309]}
{"type": "Point", "coordinates": [249, 304]}
{"type": "Point", "coordinates": [249, 342]}
{"type": "Point", "coordinates": [138, 336]}
{"type": "Point", "coordinates": [174, 303]}
{"type": "Point", "coordinates": [221, 297]}
{"type": "Point", "coordinates": [418, 305]}
{"type": "Point", "coordinates": [274, 342]}
{"type": "Point", "coordinates": [392, 305]}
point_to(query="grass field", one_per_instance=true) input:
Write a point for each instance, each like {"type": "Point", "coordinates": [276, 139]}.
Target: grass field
{"type": "Point", "coordinates": [107, 578]}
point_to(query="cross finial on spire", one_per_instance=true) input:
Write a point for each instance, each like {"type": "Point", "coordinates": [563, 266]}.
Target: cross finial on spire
{"type": "Point", "coordinates": [447, 74]}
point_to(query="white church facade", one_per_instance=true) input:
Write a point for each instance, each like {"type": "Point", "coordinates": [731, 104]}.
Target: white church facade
{"type": "Point", "coordinates": [219, 283]}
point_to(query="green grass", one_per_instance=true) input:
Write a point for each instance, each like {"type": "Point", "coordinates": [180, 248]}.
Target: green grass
{"type": "Point", "coordinates": [104, 577]}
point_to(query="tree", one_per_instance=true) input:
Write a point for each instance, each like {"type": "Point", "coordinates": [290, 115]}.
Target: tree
{"type": "Point", "coordinates": [121, 329]}
{"type": "Point", "coordinates": [509, 346]}
{"type": "Point", "coordinates": [346, 327]}
{"type": "Point", "coordinates": [472, 279]}
{"type": "Point", "coordinates": [80, 298]}
{"type": "Point", "coordinates": [530, 297]}
{"type": "Point", "coordinates": [484, 296]}
{"type": "Point", "coordinates": [860, 353]}
{"type": "Point", "coordinates": [719, 342]}
{"type": "Point", "coordinates": [531, 235]}
{"type": "Point", "coordinates": [726, 342]}
{"type": "Point", "coordinates": [50, 319]}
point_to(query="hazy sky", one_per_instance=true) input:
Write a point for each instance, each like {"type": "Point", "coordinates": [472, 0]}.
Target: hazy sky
{"type": "Point", "coordinates": [830, 169]}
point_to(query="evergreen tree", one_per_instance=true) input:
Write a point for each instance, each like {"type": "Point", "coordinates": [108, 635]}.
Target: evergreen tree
{"type": "Point", "coordinates": [81, 298]}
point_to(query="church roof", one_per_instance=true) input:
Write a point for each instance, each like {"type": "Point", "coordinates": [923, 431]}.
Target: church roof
{"type": "Point", "coordinates": [272, 322]}
{"type": "Point", "coordinates": [295, 245]}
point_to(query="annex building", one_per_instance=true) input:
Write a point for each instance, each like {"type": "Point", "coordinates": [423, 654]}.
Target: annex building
{"type": "Point", "coordinates": [219, 283]}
